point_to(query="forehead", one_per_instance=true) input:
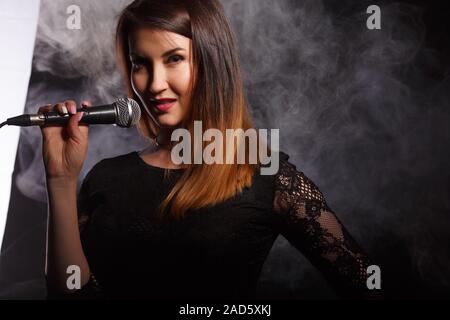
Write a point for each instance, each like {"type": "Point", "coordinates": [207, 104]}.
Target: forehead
{"type": "Point", "coordinates": [151, 41]}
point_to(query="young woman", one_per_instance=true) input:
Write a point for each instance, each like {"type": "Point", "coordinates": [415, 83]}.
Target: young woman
{"type": "Point", "coordinates": [148, 227]}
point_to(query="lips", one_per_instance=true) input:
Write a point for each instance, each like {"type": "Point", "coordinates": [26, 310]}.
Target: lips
{"type": "Point", "coordinates": [163, 104]}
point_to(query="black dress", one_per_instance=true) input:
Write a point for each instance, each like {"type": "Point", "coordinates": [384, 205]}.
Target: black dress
{"type": "Point", "coordinates": [215, 252]}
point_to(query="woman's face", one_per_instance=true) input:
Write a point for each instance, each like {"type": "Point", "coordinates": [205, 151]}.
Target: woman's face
{"type": "Point", "coordinates": [161, 69]}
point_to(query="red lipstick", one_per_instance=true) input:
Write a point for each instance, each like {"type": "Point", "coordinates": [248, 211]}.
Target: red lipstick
{"type": "Point", "coordinates": [163, 104]}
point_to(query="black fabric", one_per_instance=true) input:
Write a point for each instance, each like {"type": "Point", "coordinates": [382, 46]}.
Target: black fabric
{"type": "Point", "coordinates": [215, 252]}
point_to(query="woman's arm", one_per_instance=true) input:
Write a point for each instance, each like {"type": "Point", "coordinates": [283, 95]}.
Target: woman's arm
{"type": "Point", "coordinates": [307, 222]}
{"type": "Point", "coordinates": [63, 237]}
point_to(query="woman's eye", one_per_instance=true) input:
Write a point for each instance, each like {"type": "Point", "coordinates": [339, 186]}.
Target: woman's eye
{"type": "Point", "coordinates": [136, 65]}
{"type": "Point", "coordinates": [175, 58]}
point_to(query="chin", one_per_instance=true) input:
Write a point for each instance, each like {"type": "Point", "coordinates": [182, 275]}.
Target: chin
{"type": "Point", "coordinates": [168, 121]}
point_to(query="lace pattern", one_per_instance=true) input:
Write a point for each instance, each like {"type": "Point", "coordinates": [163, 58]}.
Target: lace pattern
{"type": "Point", "coordinates": [311, 226]}
{"type": "Point", "coordinates": [303, 217]}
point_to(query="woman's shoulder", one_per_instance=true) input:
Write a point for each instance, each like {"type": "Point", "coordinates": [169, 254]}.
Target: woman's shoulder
{"type": "Point", "coordinates": [116, 160]}
{"type": "Point", "coordinates": [293, 184]}
{"type": "Point", "coordinates": [108, 167]}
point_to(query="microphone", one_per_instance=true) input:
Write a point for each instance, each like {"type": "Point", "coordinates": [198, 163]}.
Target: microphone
{"type": "Point", "coordinates": [124, 112]}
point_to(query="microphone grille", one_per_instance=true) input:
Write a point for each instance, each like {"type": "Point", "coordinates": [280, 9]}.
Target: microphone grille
{"type": "Point", "coordinates": [128, 111]}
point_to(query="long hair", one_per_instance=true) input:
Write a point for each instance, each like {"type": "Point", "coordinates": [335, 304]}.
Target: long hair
{"type": "Point", "coordinates": [217, 99]}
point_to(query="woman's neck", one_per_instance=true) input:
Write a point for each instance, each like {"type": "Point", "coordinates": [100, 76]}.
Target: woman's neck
{"type": "Point", "coordinates": [164, 138]}
{"type": "Point", "coordinates": [160, 156]}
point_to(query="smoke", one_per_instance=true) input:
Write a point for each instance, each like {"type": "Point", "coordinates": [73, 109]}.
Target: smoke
{"type": "Point", "coordinates": [78, 65]}
{"type": "Point", "coordinates": [356, 112]}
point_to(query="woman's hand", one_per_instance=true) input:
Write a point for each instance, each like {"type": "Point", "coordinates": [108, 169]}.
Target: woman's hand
{"type": "Point", "coordinates": [64, 148]}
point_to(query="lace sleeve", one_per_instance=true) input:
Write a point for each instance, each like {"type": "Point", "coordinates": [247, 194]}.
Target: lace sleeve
{"type": "Point", "coordinates": [307, 222]}
{"type": "Point", "coordinates": [91, 290]}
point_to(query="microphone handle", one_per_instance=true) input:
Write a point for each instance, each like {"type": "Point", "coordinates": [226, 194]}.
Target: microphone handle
{"type": "Point", "coordinates": [106, 114]}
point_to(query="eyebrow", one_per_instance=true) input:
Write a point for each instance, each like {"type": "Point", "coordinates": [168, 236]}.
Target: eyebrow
{"type": "Point", "coordinates": [165, 54]}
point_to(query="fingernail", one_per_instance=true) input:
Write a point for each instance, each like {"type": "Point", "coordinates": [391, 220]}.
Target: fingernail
{"type": "Point", "coordinates": [64, 109]}
{"type": "Point", "coordinates": [73, 109]}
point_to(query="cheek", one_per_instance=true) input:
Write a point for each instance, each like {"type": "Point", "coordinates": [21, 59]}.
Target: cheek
{"type": "Point", "coordinates": [140, 81]}
{"type": "Point", "coordinates": [180, 80]}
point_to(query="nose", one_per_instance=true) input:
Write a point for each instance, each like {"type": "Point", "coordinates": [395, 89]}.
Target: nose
{"type": "Point", "coordinates": [158, 81]}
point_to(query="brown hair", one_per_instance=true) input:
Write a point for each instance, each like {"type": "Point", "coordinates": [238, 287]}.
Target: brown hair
{"type": "Point", "coordinates": [218, 98]}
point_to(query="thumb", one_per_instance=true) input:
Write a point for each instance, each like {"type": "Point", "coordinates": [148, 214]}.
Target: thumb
{"type": "Point", "coordinates": [74, 130]}
{"type": "Point", "coordinates": [84, 127]}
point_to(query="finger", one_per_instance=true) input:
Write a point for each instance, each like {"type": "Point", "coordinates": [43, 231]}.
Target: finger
{"type": "Point", "coordinates": [86, 104]}
{"type": "Point", "coordinates": [59, 108]}
{"type": "Point", "coordinates": [62, 109]}
{"type": "Point", "coordinates": [45, 108]}
{"type": "Point", "coordinates": [84, 126]}
{"type": "Point", "coordinates": [71, 106]}
{"type": "Point", "coordinates": [72, 125]}
{"type": "Point", "coordinates": [74, 130]}
{"type": "Point", "coordinates": [48, 130]}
